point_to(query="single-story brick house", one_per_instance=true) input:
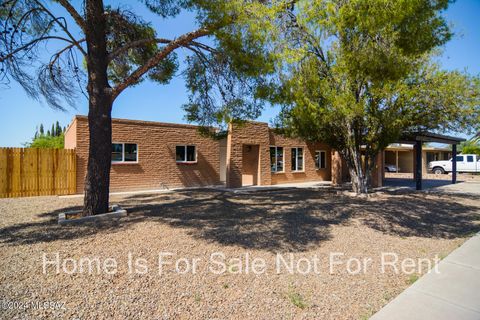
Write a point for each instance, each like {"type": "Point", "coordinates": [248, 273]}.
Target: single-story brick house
{"type": "Point", "coordinates": [151, 155]}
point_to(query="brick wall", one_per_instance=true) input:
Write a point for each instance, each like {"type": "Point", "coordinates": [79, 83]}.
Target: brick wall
{"type": "Point", "coordinates": [156, 167]}
{"type": "Point", "coordinates": [309, 173]}
{"type": "Point", "coordinates": [257, 133]}
{"type": "Point", "coordinates": [251, 133]}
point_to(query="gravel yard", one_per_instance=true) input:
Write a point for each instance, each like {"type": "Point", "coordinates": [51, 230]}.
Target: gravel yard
{"type": "Point", "coordinates": [293, 223]}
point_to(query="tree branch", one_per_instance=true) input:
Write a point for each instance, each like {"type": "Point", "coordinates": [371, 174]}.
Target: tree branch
{"type": "Point", "coordinates": [152, 62]}
{"type": "Point", "coordinates": [64, 27]}
{"type": "Point", "coordinates": [57, 55]}
{"type": "Point", "coordinates": [75, 15]}
{"type": "Point", "coordinates": [25, 46]}
{"type": "Point", "coordinates": [134, 44]}
{"type": "Point", "coordinates": [141, 42]}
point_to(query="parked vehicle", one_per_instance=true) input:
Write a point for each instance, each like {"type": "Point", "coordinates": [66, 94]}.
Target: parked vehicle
{"type": "Point", "coordinates": [391, 168]}
{"type": "Point", "coordinates": [465, 163]}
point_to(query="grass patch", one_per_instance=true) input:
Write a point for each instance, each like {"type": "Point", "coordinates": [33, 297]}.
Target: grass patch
{"type": "Point", "coordinates": [225, 286]}
{"type": "Point", "coordinates": [297, 299]}
{"type": "Point", "coordinates": [412, 278]}
{"type": "Point", "coordinates": [197, 297]}
{"type": "Point", "coordinates": [370, 311]}
{"type": "Point", "coordinates": [388, 296]}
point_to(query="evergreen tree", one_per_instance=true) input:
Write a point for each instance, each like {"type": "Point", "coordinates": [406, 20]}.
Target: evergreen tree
{"type": "Point", "coordinates": [42, 132]}
{"type": "Point", "coordinates": [58, 130]}
{"type": "Point", "coordinates": [111, 49]}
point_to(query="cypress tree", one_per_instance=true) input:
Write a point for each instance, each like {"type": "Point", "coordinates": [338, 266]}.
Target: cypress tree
{"type": "Point", "coordinates": [58, 129]}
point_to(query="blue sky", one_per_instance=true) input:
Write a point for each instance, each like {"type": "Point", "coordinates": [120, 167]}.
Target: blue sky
{"type": "Point", "coordinates": [148, 101]}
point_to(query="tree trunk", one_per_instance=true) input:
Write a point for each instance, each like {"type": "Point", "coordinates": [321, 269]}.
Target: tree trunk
{"type": "Point", "coordinates": [97, 181]}
{"type": "Point", "coordinates": [358, 173]}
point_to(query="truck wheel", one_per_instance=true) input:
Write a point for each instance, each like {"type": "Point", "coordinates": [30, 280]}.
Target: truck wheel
{"type": "Point", "coordinates": [438, 170]}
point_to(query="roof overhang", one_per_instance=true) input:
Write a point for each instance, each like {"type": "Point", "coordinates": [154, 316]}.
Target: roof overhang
{"type": "Point", "coordinates": [413, 137]}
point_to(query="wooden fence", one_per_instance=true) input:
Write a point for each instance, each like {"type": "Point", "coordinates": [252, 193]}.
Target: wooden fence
{"type": "Point", "coordinates": [28, 172]}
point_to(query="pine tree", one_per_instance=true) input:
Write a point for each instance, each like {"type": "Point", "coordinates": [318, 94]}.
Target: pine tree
{"type": "Point", "coordinates": [114, 48]}
{"type": "Point", "coordinates": [58, 129]}
{"type": "Point", "coordinates": [52, 132]}
{"type": "Point", "coordinates": [42, 132]}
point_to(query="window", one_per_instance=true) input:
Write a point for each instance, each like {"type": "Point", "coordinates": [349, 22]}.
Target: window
{"type": "Point", "coordinates": [297, 159]}
{"type": "Point", "coordinates": [469, 158]}
{"type": "Point", "coordinates": [320, 160]}
{"type": "Point", "coordinates": [459, 158]}
{"type": "Point", "coordinates": [185, 154]}
{"type": "Point", "coordinates": [276, 159]}
{"type": "Point", "coordinates": [124, 152]}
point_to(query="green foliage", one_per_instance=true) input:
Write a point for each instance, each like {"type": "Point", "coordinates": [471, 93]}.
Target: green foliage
{"type": "Point", "coordinates": [360, 73]}
{"type": "Point", "coordinates": [125, 27]}
{"type": "Point", "coordinates": [227, 83]}
{"type": "Point", "coordinates": [55, 142]}
{"type": "Point", "coordinates": [52, 139]}
{"type": "Point", "coordinates": [470, 147]}
{"type": "Point", "coordinates": [412, 279]}
{"type": "Point", "coordinates": [297, 299]}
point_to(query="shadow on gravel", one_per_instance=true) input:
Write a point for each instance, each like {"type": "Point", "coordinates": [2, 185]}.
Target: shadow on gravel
{"type": "Point", "coordinates": [298, 219]}
{"type": "Point", "coordinates": [280, 220]}
{"type": "Point", "coordinates": [47, 229]}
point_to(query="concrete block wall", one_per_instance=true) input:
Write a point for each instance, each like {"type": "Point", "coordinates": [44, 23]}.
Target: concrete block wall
{"type": "Point", "coordinates": [156, 167]}
{"type": "Point", "coordinates": [257, 133]}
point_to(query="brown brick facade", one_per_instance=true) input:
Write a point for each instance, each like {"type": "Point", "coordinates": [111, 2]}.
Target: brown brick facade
{"type": "Point", "coordinates": [243, 158]}
{"type": "Point", "coordinates": [258, 136]}
{"type": "Point", "coordinates": [156, 167]}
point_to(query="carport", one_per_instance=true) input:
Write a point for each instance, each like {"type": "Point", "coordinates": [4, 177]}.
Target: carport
{"type": "Point", "coordinates": [417, 139]}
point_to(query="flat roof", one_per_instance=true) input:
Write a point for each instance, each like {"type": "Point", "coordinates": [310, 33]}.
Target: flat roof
{"type": "Point", "coordinates": [409, 147]}
{"type": "Point", "coordinates": [425, 136]}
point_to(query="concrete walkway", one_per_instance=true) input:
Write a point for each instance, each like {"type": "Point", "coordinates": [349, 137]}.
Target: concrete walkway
{"type": "Point", "coordinates": [452, 293]}
{"type": "Point", "coordinates": [293, 185]}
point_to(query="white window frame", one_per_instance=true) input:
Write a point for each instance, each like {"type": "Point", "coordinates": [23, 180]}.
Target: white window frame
{"type": "Point", "coordinates": [296, 159]}
{"type": "Point", "coordinates": [185, 146]}
{"type": "Point", "coordinates": [123, 153]}
{"type": "Point", "coordinates": [283, 156]}
{"type": "Point", "coordinates": [317, 165]}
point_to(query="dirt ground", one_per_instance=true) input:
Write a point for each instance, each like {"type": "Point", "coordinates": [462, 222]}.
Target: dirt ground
{"type": "Point", "coordinates": [296, 224]}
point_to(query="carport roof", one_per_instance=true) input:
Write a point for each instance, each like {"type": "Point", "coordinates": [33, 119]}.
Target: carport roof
{"type": "Point", "coordinates": [412, 137]}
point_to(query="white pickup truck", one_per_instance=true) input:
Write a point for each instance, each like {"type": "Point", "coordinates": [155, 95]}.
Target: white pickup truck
{"type": "Point", "coordinates": [465, 163]}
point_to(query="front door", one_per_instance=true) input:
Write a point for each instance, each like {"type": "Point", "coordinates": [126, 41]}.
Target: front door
{"type": "Point", "coordinates": [250, 154]}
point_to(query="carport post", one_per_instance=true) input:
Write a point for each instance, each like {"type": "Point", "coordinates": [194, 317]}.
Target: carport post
{"type": "Point", "coordinates": [454, 163]}
{"type": "Point", "coordinates": [418, 164]}
{"type": "Point", "coordinates": [396, 160]}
